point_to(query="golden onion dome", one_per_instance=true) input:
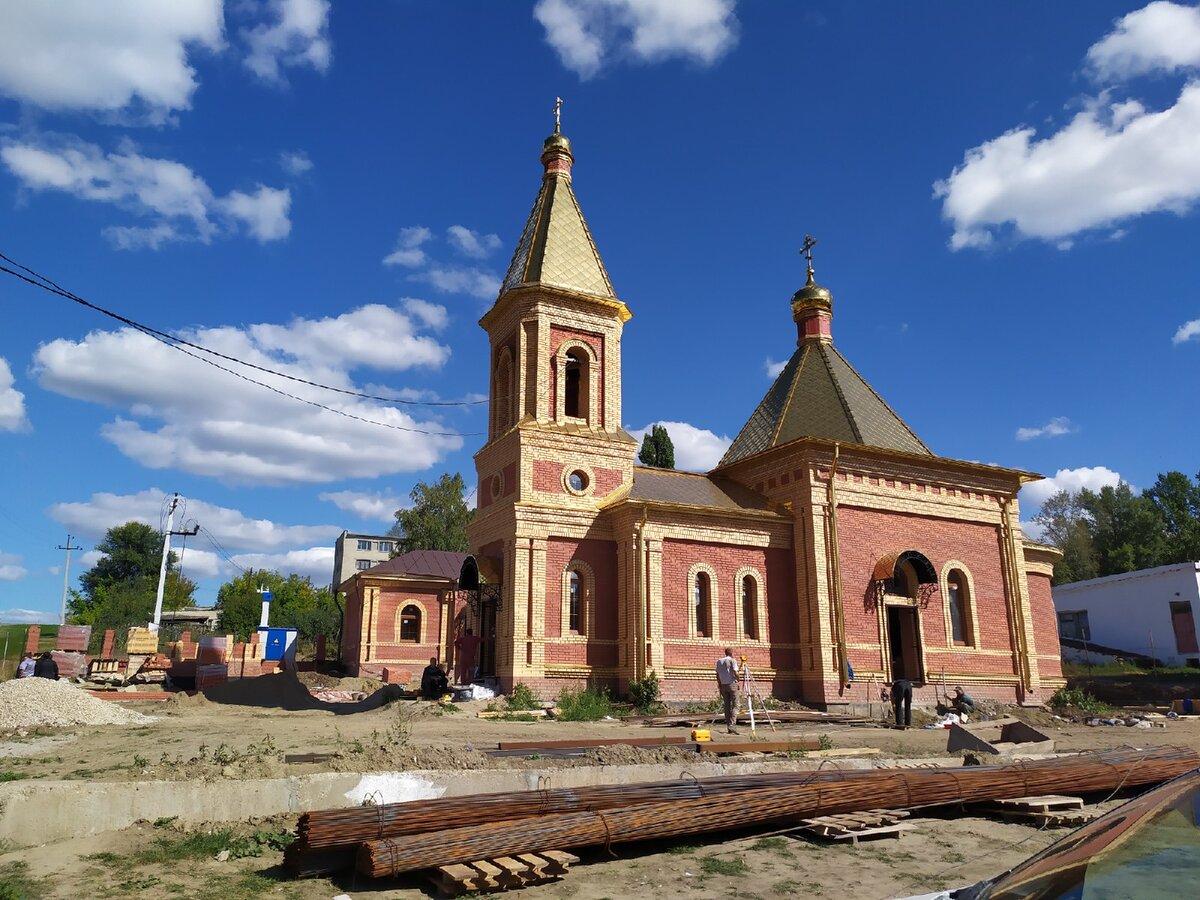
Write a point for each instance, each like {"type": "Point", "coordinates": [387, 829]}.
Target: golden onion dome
{"type": "Point", "coordinates": [557, 141]}
{"type": "Point", "coordinates": [812, 296]}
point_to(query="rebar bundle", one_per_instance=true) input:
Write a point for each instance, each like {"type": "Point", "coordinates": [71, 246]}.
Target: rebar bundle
{"type": "Point", "coordinates": [744, 801]}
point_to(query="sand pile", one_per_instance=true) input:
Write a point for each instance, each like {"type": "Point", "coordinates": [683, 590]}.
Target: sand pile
{"type": "Point", "coordinates": [40, 702]}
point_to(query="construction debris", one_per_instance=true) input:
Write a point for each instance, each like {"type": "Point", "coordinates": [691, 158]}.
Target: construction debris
{"type": "Point", "coordinates": [1007, 735]}
{"type": "Point", "coordinates": [1053, 811]}
{"type": "Point", "coordinates": [502, 873]}
{"type": "Point", "coordinates": [803, 716]}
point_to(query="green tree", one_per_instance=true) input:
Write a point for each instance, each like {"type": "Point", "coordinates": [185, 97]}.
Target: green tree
{"type": "Point", "coordinates": [657, 449]}
{"type": "Point", "coordinates": [1177, 500]}
{"type": "Point", "coordinates": [1066, 524]}
{"type": "Point", "coordinates": [126, 577]}
{"type": "Point", "coordinates": [437, 519]}
{"type": "Point", "coordinates": [295, 603]}
{"type": "Point", "coordinates": [1127, 529]}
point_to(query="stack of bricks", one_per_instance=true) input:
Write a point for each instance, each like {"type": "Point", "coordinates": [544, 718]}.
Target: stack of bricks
{"type": "Point", "coordinates": [70, 649]}
{"type": "Point", "coordinates": [33, 637]}
{"type": "Point", "coordinates": [211, 661]}
{"type": "Point", "coordinates": [107, 648]}
{"type": "Point", "coordinates": [141, 641]}
{"type": "Point", "coordinates": [183, 649]}
{"type": "Point", "coordinates": [396, 675]}
{"type": "Point", "coordinates": [70, 664]}
{"type": "Point", "coordinates": [209, 675]}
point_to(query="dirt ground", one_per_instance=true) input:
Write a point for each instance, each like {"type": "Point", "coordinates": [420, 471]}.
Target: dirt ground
{"type": "Point", "coordinates": [199, 739]}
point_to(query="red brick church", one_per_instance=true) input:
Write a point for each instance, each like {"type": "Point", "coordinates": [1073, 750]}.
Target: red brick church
{"type": "Point", "coordinates": [829, 536]}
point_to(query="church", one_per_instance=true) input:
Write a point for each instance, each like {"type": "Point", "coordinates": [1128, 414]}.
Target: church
{"type": "Point", "coordinates": [830, 546]}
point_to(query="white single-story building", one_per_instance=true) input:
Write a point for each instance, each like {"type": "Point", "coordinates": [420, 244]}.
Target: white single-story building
{"type": "Point", "coordinates": [1147, 613]}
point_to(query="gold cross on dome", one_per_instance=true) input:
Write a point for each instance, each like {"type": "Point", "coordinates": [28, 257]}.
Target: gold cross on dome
{"type": "Point", "coordinates": [557, 113]}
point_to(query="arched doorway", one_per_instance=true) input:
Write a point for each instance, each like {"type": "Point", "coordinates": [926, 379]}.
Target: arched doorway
{"type": "Point", "coordinates": [903, 578]}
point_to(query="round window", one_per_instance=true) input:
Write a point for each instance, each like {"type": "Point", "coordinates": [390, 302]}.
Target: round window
{"type": "Point", "coordinates": [497, 486]}
{"type": "Point", "coordinates": [578, 480]}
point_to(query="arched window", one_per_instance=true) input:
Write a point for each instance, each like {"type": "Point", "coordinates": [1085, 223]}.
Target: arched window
{"type": "Point", "coordinates": [749, 607]}
{"type": "Point", "coordinates": [702, 600]}
{"type": "Point", "coordinates": [573, 597]}
{"type": "Point", "coordinates": [959, 600]}
{"type": "Point", "coordinates": [574, 385]}
{"type": "Point", "coordinates": [503, 395]}
{"type": "Point", "coordinates": [410, 624]}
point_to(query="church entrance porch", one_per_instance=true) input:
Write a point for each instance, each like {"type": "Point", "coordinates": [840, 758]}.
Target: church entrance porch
{"type": "Point", "coordinates": [904, 640]}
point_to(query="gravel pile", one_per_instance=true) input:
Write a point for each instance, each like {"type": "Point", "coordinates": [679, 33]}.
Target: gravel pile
{"type": "Point", "coordinates": [40, 702]}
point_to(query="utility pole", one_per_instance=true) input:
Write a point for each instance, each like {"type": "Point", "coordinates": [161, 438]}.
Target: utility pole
{"type": "Point", "coordinates": [62, 614]}
{"type": "Point", "coordinates": [166, 557]}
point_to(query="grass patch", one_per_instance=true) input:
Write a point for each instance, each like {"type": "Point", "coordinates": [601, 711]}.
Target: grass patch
{"type": "Point", "coordinates": [13, 776]}
{"type": "Point", "coordinates": [17, 884]}
{"type": "Point", "coordinates": [773, 844]}
{"type": "Point", "coordinates": [788, 887]}
{"type": "Point", "coordinates": [1079, 699]}
{"type": "Point", "coordinates": [713, 865]}
{"type": "Point", "coordinates": [584, 705]}
{"type": "Point", "coordinates": [683, 849]}
{"type": "Point", "coordinates": [106, 857]}
{"type": "Point", "coordinates": [207, 844]}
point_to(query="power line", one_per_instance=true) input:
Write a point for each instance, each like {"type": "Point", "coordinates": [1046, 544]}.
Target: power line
{"type": "Point", "coordinates": [175, 344]}
{"type": "Point", "coordinates": [220, 549]}
{"type": "Point", "coordinates": [46, 284]}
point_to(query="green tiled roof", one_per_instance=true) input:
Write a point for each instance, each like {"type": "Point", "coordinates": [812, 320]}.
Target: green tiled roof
{"type": "Point", "coordinates": [820, 395]}
{"type": "Point", "coordinates": [556, 247]}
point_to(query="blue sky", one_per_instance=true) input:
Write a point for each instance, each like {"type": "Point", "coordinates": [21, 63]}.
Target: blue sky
{"type": "Point", "coordinates": [1004, 197]}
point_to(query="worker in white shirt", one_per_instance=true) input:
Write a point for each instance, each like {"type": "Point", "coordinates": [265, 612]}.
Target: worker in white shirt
{"type": "Point", "coordinates": [727, 678]}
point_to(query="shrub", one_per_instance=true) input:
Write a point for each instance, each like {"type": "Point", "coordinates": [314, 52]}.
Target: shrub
{"type": "Point", "coordinates": [584, 705]}
{"type": "Point", "coordinates": [521, 698]}
{"type": "Point", "coordinates": [644, 693]}
{"type": "Point", "coordinates": [1079, 699]}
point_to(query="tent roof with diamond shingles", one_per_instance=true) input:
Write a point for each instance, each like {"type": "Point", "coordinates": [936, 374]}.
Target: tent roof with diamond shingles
{"type": "Point", "coordinates": [820, 395]}
{"type": "Point", "coordinates": [556, 247]}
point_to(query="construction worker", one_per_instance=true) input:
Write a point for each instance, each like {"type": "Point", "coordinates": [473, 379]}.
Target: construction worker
{"type": "Point", "coordinates": [727, 679]}
{"type": "Point", "coordinates": [902, 697]}
{"type": "Point", "coordinates": [962, 702]}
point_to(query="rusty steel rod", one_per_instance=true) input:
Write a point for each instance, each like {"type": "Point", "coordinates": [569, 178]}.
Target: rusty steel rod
{"type": "Point", "coordinates": [850, 792]}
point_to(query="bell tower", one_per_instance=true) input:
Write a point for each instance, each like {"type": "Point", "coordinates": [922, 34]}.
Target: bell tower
{"type": "Point", "coordinates": [555, 452]}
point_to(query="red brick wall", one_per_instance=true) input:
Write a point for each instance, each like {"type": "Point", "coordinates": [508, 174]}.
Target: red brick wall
{"type": "Point", "coordinates": [510, 479]}
{"type": "Point", "coordinates": [866, 535]}
{"type": "Point", "coordinates": [778, 569]}
{"type": "Point", "coordinates": [602, 557]}
{"type": "Point", "coordinates": [607, 481]}
{"type": "Point", "coordinates": [547, 476]}
{"type": "Point", "coordinates": [387, 631]}
{"type": "Point", "coordinates": [1045, 625]}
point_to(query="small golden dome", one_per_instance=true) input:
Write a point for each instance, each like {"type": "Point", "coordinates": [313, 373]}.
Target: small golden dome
{"type": "Point", "coordinates": [557, 141]}
{"type": "Point", "coordinates": [812, 296]}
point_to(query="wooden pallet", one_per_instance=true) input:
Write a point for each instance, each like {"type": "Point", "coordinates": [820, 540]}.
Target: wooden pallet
{"type": "Point", "coordinates": [1049, 811]}
{"type": "Point", "coordinates": [873, 824]}
{"type": "Point", "coordinates": [501, 873]}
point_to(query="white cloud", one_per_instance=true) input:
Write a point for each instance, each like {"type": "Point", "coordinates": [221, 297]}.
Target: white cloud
{"type": "Point", "coordinates": [18, 616]}
{"type": "Point", "coordinates": [376, 506]}
{"type": "Point", "coordinates": [80, 54]}
{"type": "Point", "coordinates": [587, 34]}
{"type": "Point", "coordinates": [265, 212]}
{"type": "Point", "coordinates": [773, 368]}
{"type": "Point", "coordinates": [461, 280]}
{"type": "Point", "coordinates": [1071, 480]}
{"type": "Point", "coordinates": [472, 243]}
{"type": "Point", "coordinates": [10, 568]}
{"type": "Point", "coordinates": [408, 252]}
{"type": "Point", "coordinates": [12, 402]}
{"type": "Point", "coordinates": [1115, 160]}
{"type": "Point", "coordinates": [295, 164]}
{"type": "Point", "coordinates": [298, 35]}
{"type": "Point", "coordinates": [696, 449]}
{"type": "Point", "coordinates": [179, 202]}
{"type": "Point", "coordinates": [1187, 331]}
{"type": "Point", "coordinates": [233, 529]}
{"type": "Point", "coordinates": [1033, 530]}
{"type": "Point", "coordinates": [1160, 37]}
{"type": "Point", "coordinates": [1056, 427]}
{"type": "Point", "coordinates": [315, 562]}
{"type": "Point", "coordinates": [185, 415]}
{"type": "Point", "coordinates": [433, 315]}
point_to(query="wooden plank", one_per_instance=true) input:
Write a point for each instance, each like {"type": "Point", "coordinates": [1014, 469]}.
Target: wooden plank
{"type": "Point", "coordinates": [592, 742]}
{"type": "Point", "coordinates": [799, 745]}
{"type": "Point", "coordinates": [560, 858]}
{"type": "Point", "coordinates": [489, 874]}
{"type": "Point", "coordinates": [536, 863]}
{"type": "Point", "coordinates": [885, 831]}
